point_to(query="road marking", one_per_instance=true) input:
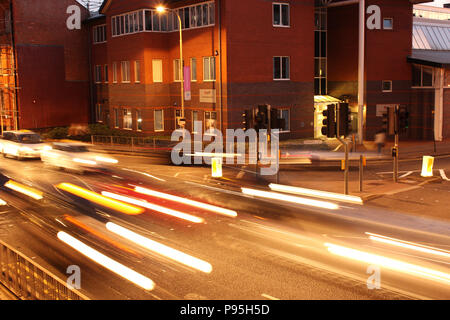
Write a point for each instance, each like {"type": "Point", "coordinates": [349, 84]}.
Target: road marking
{"type": "Point", "coordinates": [269, 297]}
{"type": "Point", "coordinates": [145, 174]}
{"type": "Point", "coordinates": [442, 172]}
{"type": "Point", "coordinates": [406, 174]}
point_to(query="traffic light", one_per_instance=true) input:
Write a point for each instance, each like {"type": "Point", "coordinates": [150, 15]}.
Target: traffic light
{"type": "Point", "coordinates": [389, 125]}
{"type": "Point", "coordinates": [329, 122]}
{"type": "Point", "coordinates": [247, 120]}
{"type": "Point", "coordinates": [403, 118]}
{"type": "Point", "coordinates": [345, 120]}
{"type": "Point", "coordinates": [262, 118]}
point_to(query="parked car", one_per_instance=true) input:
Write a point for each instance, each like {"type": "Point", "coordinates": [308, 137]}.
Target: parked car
{"type": "Point", "coordinates": [22, 144]}
{"type": "Point", "coordinates": [75, 156]}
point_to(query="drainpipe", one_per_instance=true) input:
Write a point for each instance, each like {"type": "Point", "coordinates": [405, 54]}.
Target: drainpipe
{"type": "Point", "coordinates": [362, 6]}
{"type": "Point", "coordinates": [219, 4]}
{"type": "Point", "coordinates": [13, 43]}
{"type": "Point", "coordinates": [439, 105]}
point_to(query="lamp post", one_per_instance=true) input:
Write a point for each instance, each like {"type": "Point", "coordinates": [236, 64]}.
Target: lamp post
{"type": "Point", "coordinates": [161, 9]}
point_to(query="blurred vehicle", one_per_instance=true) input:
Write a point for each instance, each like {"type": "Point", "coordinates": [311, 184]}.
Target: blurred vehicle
{"type": "Point", "coordinates": [75, 156]}
{"type": "Point", "coordinates": [22, 144]}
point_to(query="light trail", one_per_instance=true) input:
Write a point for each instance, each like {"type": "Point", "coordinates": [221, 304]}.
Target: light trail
{"type": "Point", "coordinates": [408, 245]}
{"type": "Point", "coordinates": [28, 191]}
{"type": "Point", "coordinates": [154, 207]}
{"type": "Point", "coordinates": [316, 193]}
{"type": "Point", "coordinates": [388, 263]}
{"type": "Point", "coordinates": [189, 202]}
{"type": "Point", "coordinates": [99, 199]}
{"type": "Point", "coordinates": [293, 199]}
{"type": "Point", "coordinates": [108, 263]}
{"type": "Point", "coordinates": [161, 249]}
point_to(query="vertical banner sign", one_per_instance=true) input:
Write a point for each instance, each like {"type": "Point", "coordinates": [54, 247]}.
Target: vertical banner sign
{"type": "Point", "coordinates": [187, 83]}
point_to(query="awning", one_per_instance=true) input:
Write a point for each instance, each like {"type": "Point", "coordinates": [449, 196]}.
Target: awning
{"type": "Point", "coordinates": [326, 99]}
{"type": "Point", "coordinates": [432, 58]}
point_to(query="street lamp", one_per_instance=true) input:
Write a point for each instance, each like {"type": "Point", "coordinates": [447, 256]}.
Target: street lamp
{"type": "Point", "coordinates": [161, 9]}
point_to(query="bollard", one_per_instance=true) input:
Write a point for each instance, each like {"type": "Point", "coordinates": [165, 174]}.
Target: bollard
{"type": "Point", "coordinates": [216, 167]}
{"type": "Point", "coordinates": [427, 166]}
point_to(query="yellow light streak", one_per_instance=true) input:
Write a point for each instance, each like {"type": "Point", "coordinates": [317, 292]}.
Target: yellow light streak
{"type": "Point", "coordinates": [283, 197]}
{"type": "Point", "coordinates": [108, 263]}
{"type": "Point", "coordinates": [99, 199]}
{"type": "Point", "coordinates": [193, 203]}
{"type": "Point", "coordinates": [28, 191]}
{"type": "Point", "coordinates": [389, 263]}
{"type": "Point", "coordinates": [161, 249]}
{"type": "Point", "coordinates": [408, 245]}
{"type": "Point", "coordinates": [316, 193]}
{"type": "Point", "coordinates": [154, 207]}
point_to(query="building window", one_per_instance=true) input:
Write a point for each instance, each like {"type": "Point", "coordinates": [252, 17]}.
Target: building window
{"type": "Point", "coordinates": [177, 70]}
{"type": "Point", "coordinates": [177, 118]}
{"type": "Point", "coordinates": [159, 120]}
{"type": "Point", "coordinates": [99, 34]}
{"type": "Point", "coordinates": [209, 69]}
{"type": "Point", "coordinates": [388, 24]}
{"type": "Point", "coordinates": [137, 71]}
{"type": "Point", "coordinates": [281, 68]}
{"type": "Point", "coordinates": [193, 69]}
{"type": "Point", "coordinates": [157, 70]}
{"type": "Point", "coordinates": [98, 74]}
{"type": "Point", "coordinates": [320, 51]}
{"type": "Point", "coordinates": [125, 71]}
{"type": "Point", "coordinates": [139, 120]}
{"type": "Point", "coordinates": [210, 121]}
{"type": "Point", "coordinates": [386, 86]}
{"type": "Point", "coordinates": [285, 115]}
{"type": "Point", "coordinates": [127, 119]}
{"type": "Point", "coordinates": [98, 112]}
{"type": "Point", "coordinates": [422, 76]}
{"type": "Point", "coordinates": [116, 118]}
{"type": "Point", "coordinates": [115, 72]}
{"type": "Point", "coordinates": [195, 117]}
{"type": "Point", "coordinates": [281, 15]}
{"type": "Point", "coordinates": [106, 74]}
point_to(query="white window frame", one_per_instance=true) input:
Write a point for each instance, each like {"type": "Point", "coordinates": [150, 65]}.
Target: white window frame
{"type": "Point", "coordinates": [382, 85]}
{"type": "Point", "coordinates": [95, 37]}
{"type": "Point", "coordinates": [198, 119]}
{"type": "Point", "coordinates": [280, 113]}
{"type": "Point", "coordinates": [125, 117]}
{"type": "Point", "coordinates": [114, 72]}
{"type": "Point", "coordinates": [281, 25]}
{"type": "Point", "coordinates": [207, 60]}
{"type": "Point", "coordinates": [123, 70]}
{"type": "Point", "coordinates": [154, 120]}
{"type": "Point", "coordinates": [421, 77]}
{"type": "Point", "coordinates": [392, 23]}
{"type": "Point", "coordinates": [176, 69]}
{"type": "Point", "coordinates": [161, 71]}
{"type": "Point", "coordinates": [116, 112]}
{"type": "Point", "coordinates": [137, 71]}
{"type": "Point", "coordinates": [207, 129]}
{"type": "Point", "coordinates": [281, 68]}
{"type": "Point", "coordinates": [98, 74]}
{"type": "Point", "coordinates": [192, 70]}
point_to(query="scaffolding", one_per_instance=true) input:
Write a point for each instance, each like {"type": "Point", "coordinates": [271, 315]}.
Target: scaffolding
{"type": "Point", "coordinates": [8, 108]}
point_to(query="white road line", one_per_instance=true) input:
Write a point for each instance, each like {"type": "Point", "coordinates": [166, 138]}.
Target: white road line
{"type": "Point", "coordinates": [442, 172]}
{"type": "Point", "coordinates": [269, 297]}
{"type": "Point", "coordinates": [406, 174]}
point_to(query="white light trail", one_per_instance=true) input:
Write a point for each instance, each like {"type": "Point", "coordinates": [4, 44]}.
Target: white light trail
{"type": "Point", "coordinates": [316, 193]}
{"type": "Point", "coordinates": [189, 202]}
{"type": "Point", "coordinates": [283, 197]}
{"type": "Point", "coordinates": [388, 263]}
{"type": "Point", "coordinates": [408, 245]}
{"type": "Point", "coordinates": [107, 160]}
{"type": "Point", "coordinates": [154, 207]}
{"type": "Point", "coordinates": [161, 249]}
{"type": "Point", "coordinates": [107, 262]}
{"type": "Point", "coordinates": [84, 161]}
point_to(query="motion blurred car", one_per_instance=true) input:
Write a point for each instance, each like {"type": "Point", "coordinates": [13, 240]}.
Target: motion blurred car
{"type": "Point", "coordinates": [22, 144]}
{"type": "Point", "coordinates": [75, 156]}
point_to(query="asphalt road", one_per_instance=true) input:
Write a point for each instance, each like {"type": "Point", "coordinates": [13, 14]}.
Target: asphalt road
{"type": "Point", "coordinates": [272, 249]}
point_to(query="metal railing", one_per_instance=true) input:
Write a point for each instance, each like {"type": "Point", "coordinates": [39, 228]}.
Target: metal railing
{"type": "Point", "coordinates": [132, 142]}
{"type": "Point", "coordinates": [29, 281]}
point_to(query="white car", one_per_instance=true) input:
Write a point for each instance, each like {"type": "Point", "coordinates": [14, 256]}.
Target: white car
{"type": "Point", "coordinates": [75, 156]}
{"type": "Point", "coordinates": [22, 144]}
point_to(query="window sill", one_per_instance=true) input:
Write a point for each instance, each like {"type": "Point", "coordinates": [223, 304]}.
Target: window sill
{"type": "Point", "coordinates": [280, 26]}
{"type": "Point", "coordinates": [282, 79]}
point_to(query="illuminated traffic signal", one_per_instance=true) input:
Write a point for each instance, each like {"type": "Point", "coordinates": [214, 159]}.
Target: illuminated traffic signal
{"type": "Point", "coordinates": [329, 122]}
{"type": "Point", "coordinates": [247, 120]}
{"type": "Point", "coordinates": [403, 118]}
{"type": "Point", "coordinates": [345, 120]}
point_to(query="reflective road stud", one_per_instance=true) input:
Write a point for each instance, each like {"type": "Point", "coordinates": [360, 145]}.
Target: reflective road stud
{"type": "Point", "coordinates": [427, 166]}
{"type": "Point", "coordinates": [216, 167]}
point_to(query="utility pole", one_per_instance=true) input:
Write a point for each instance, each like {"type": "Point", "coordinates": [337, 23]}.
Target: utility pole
{"type": "Point", "coordinates": [395, 149]}
{"type": "Point", "coordinates": [346, 169]}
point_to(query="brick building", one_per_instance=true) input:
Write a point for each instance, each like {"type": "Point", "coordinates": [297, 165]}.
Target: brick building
{"type": "Point", "coordinates": [44, 65]}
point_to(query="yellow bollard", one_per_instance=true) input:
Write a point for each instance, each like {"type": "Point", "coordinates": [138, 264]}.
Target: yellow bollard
{"type": "Point", "coordinates": [427, 166]}
{"type": "Point", "coordinates": [216, 167]}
